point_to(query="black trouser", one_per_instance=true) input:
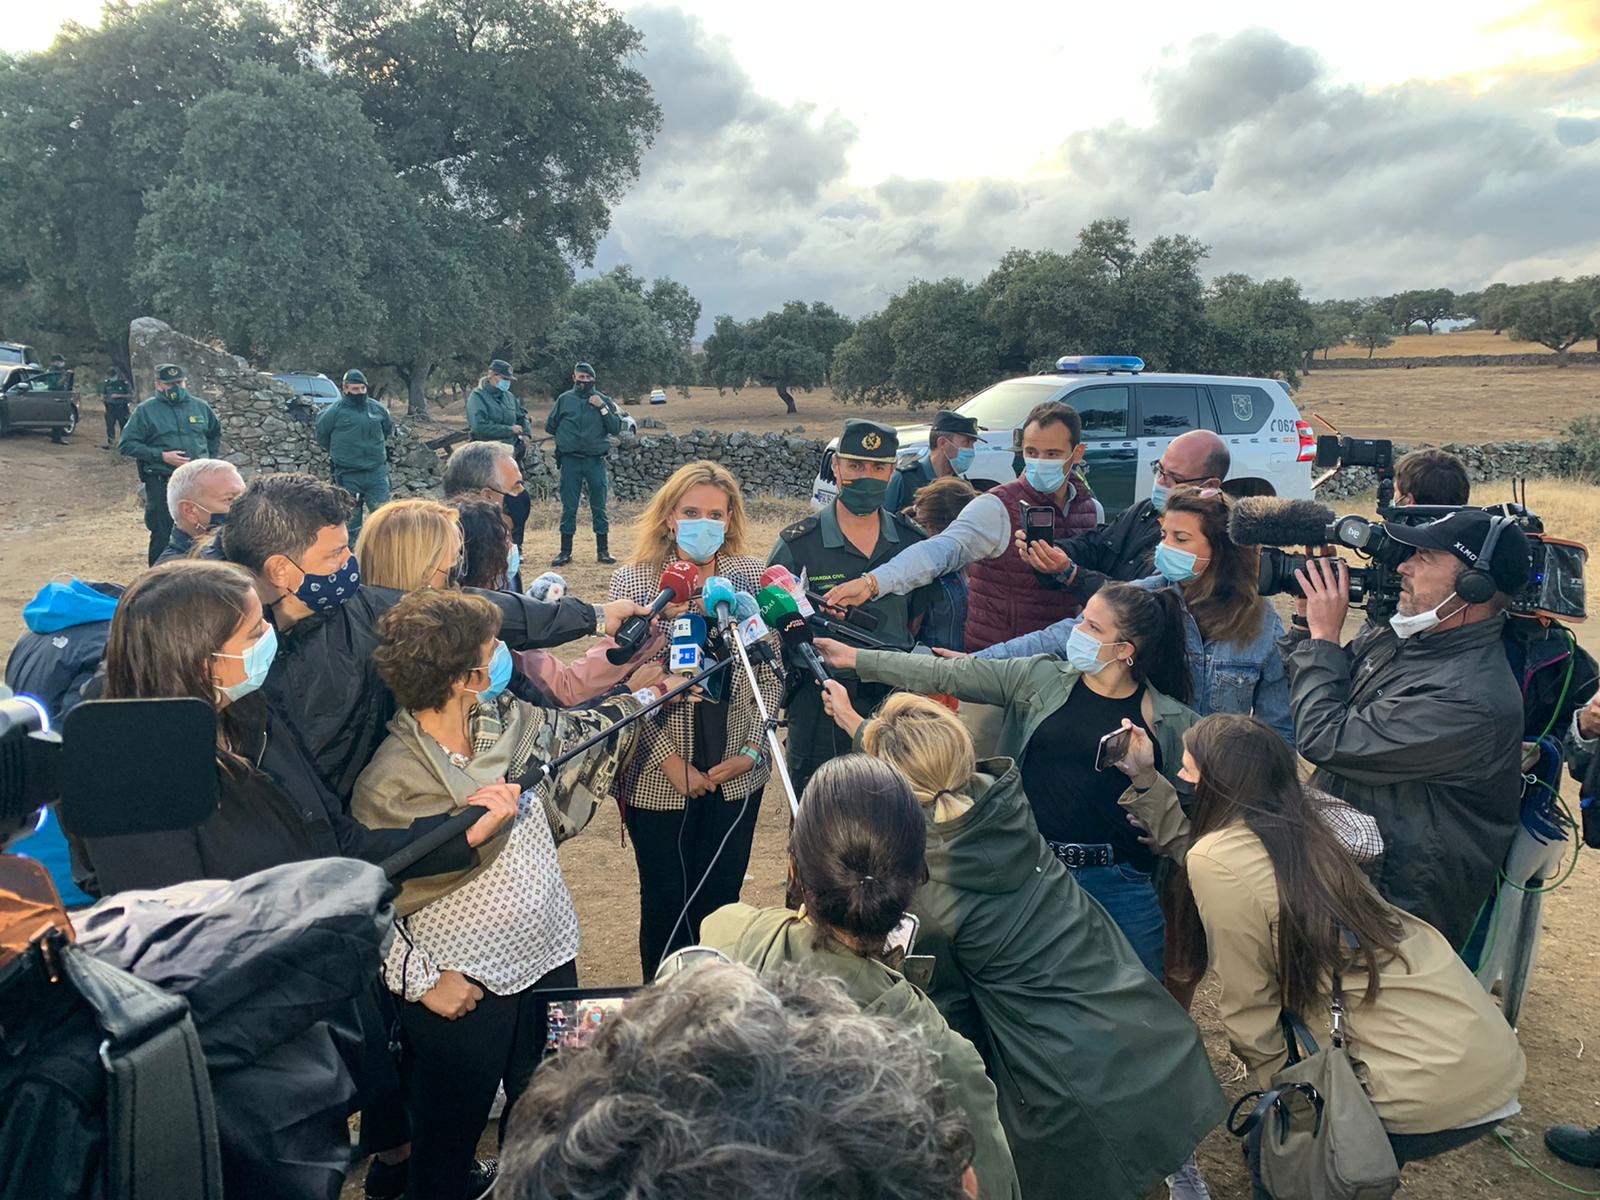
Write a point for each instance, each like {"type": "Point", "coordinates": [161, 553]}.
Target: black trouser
{"type": "Point", "coordinates": [674, 849]}
{"type": "Point", "coordinates": [157, 517]}
{"type": "Point", "coordinates": [454, 1068]}
{"type": "Point", "coordinates": [116, 415]}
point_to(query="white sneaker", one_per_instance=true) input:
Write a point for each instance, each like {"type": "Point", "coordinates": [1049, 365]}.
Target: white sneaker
{"type": "Point", "coordinates": [1186, 1183]}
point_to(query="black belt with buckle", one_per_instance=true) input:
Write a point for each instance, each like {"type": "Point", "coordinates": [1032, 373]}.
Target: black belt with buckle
{"type": "Point", "coordinates": [1075, 854]}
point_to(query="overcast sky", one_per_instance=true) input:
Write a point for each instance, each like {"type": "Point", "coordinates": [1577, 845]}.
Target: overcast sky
{"type": "Point", "coordinates": [836, 149]}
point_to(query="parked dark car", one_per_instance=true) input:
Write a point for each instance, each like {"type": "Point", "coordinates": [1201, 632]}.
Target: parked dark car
{"type": "Point", "coordinates": [311, 386]}
{"type": "Point", "coordinates": [26, 403]}
{"type": "Point", "coordinates": [14, 356]}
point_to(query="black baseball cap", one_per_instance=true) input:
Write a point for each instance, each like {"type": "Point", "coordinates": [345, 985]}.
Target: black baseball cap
{"type": "Point", "coordinates": [953, 422]}
{"type": "Point", "coordinates": [1464, 534]}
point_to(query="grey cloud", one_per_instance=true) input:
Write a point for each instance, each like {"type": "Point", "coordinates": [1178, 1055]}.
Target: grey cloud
{"type": "Point", "coordinates": [1254, 149]}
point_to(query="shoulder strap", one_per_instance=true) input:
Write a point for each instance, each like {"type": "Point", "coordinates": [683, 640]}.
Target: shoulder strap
{"type": "Point", "coordinates": [161, 1127]}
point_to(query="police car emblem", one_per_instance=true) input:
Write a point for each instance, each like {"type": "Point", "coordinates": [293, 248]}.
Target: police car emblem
{"type": "Point", "coordinates": [871, 441]}
{"type": "Point", "coordinates": [1243, 405]}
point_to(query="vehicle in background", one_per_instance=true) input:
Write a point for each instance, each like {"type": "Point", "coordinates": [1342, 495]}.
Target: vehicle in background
{"type": "Point", "coordinates": [1129, 417]}
{"type": "Point", "coordinates": [26, 403]}
{"type": "Point", "coordinates": [658, 396]}
{"type": "Point", "coordinates": [13, 357]}
{"type": "Point", "coordinates": [311, 386]}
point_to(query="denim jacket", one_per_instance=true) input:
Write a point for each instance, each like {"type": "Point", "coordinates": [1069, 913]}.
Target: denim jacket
{"type": "Point", "coordinates": [1227, 678]}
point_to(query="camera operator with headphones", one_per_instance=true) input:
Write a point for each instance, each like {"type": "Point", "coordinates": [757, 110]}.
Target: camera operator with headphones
{"type": "Point", "coordinates": [1419, 723]}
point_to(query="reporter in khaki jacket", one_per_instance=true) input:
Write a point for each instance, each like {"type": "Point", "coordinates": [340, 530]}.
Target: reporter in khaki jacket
{"type": "Point", "coordinates": [1428, 1043]}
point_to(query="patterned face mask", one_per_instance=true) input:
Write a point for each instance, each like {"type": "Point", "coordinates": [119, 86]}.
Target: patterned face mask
{"type": "Point", "coordinates": [324, 593]}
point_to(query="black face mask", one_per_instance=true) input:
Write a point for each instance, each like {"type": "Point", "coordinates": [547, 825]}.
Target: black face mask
{"type": "Point", "coordinates": [1185, 791]}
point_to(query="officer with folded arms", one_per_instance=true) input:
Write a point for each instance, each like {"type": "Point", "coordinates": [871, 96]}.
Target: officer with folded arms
{"type": "Point", "coordinates": [167, 430]}
{"type": "Point", "coordinates": [1419, 722]}
{"type": "Point", "coordinates": [355, 432]}
{"type": "Point", "coordinates": [583, 421]}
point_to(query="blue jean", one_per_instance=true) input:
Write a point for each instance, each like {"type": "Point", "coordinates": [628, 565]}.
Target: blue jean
{"type": "Point", "coordinates": [1129, 898]}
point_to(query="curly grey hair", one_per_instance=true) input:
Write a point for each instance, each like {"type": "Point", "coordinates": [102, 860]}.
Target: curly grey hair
{"type": "Point", "coordinates": [718, 1083]}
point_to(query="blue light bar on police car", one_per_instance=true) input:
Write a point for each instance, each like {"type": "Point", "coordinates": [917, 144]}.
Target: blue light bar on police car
{"type": "Point", "coordinates": [1092, 364]}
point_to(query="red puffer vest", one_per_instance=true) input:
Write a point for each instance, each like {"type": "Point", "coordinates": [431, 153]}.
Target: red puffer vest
{"type": "Point", "coordinates": [1006, 597]}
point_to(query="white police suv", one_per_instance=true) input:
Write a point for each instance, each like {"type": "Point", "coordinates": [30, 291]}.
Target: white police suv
{"type": "Point", "coordinates": [1129, 417]}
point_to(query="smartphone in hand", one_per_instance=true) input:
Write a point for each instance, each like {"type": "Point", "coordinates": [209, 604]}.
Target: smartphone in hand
{"type": "Point", "coordinates": [1039, 523]}
{"type": "Point", "coordinates": [1113, 748]}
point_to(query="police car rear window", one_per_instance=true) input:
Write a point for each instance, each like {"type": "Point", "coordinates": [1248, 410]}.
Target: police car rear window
{"type": "Point", "coordinates": [1240, 407]}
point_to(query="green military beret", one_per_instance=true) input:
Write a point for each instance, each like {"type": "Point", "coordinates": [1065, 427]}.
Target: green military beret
{"type": "Point", "coordinates": [583, 369]}
{"type": "Point", "coordinates": [355, 376]}
{"type": "Point", "coordinates": [170, 373]}
{"type": "Point", "coordinates": [953, 422]}
{"type": "Point", "coordinates": [868, 439]}
{"type": "Point", "coordinates": [501, 368]}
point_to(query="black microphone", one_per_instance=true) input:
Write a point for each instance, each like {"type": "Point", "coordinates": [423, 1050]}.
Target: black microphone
{"type": "Point", "coordinates": [677, 585]}
{"type": "Point", "coordinates": [1272, 521]}
{"type": "Point", "coordinates": [854, 614]}
{"type": "Point", "coordinates": [796, 637]}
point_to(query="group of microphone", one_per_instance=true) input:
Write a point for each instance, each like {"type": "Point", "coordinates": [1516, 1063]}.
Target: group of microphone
{"type": "Point", "coordinates": [781, 605]}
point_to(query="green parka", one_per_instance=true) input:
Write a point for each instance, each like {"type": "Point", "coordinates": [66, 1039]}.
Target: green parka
{"type": "Point", "coordinates": [1104, 1084]}
{"type": "Point", "coordinates": [355, 432]}
{"type": "Point", "coordinates": [491, 413]}
{"type": "Point", "coordinates": [765, 939]}
{"type": "Point", "coordinates": [161, 424]}
{"type": "Point", "coordinates": [580, 427]}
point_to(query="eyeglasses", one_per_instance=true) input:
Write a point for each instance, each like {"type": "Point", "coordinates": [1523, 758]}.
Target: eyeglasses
{"type": "Point", "coordinates": [1159, 470]}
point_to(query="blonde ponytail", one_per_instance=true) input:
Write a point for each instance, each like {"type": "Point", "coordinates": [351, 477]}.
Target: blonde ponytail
{"type": "Point", "coordinates": [930, 747]}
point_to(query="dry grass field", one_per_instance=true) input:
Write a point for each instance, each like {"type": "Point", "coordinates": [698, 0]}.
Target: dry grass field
{"type": "Point", "coordinates": [1463, 341]}
{"type": "Point", "coordinates": [71, 509]}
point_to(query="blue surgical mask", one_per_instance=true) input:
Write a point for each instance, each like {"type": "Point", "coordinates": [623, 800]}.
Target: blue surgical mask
{"type": "Point", "coordinates": [513, 562]}
{"type": "Point", "coordinates": [324, 593]}
{"type": "Point", "coordinates": [1179, 566]}
{"type": "Point", "coordinates": [503, 384]}
{"type": "Point", "coordinates": [257, 660]}
{"type": "Point", "coordinates": [1046, 474]}
{"type": "Point", "coordinates": [701, 538]}
{"type": "Point", "coordinates": [962, 459]}
{"type": "Point", "coordinates": [499, 672]}
{"type": "Point", "coordinates": [1158, 496]}
{"type": "Point", "coordinates": [1083, 652]}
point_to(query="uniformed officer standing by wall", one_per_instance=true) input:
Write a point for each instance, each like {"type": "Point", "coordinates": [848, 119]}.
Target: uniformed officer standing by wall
{"type": "Point", "coordinates": [116, 395]}
{"type": "Point", "coordinates": [355, 432]}
{"type": "Point", "coordinates": [495, 414]}
{"type": "Point", "coordinates": [950, 452]}
{"type": "Point", "coordinates": [842, 541]}
{"type": "Point", "coordinates": [584, 421]}
{"type": "Point", "coordinates": [166, 431]}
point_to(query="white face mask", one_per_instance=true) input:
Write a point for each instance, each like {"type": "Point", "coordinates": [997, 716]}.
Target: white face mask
{"type": "Point", "coordinates": [1408, 627]}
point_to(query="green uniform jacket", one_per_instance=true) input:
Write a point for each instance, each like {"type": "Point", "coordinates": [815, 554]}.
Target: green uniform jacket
{"type": "Point", "coordinates": [115, 391]}
{"type": "Point", "coordinates": [1027, 689]}
{"type": "Point", "coordinates": [355, 435]}
{"type": "Point", "coordinates": [159, 425]}
{"type": "Point", "coordinates": [906, 481]}
{"type": "Point", "coordinates": [491, 413]}
{"type": "Point", "coordinates": [580, 427]}
{"type": "Point", "coordinates": [766, 939]}
{"type": "Point", "coordinates": [1104, 1084]}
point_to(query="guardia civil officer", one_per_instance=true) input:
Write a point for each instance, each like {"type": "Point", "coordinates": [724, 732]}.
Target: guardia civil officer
{"type": "Point", "coordinates": [495, 414]}
{"type": "Point", "coordinates": [166, 431]}
{"type": "Point", "coordinates": [116, 395]}
{"type": "Point", "coordinates": [583, 421]}
{"type": "Point", "coordinates": [355, 431]}
{"type": "Point", "coordinates": [950, 452]}
{"type": "Point", "coordinates": [841, 541]}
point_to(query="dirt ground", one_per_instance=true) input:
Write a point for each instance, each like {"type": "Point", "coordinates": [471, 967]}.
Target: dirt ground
{"type": "Point", "coordinates": [1462, 341]}
{"type": "Point", "coordinates": [73, 509]}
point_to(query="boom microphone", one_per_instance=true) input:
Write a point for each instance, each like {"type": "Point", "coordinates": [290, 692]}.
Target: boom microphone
{"type": "Point", "coordinates": [677, 585]}
{"type": "Point", "coordinates": [1272, 521]}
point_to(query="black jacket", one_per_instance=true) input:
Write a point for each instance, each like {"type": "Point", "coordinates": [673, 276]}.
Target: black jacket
{"type": "Point", "coordinates": [53, 666]}
{"type": "Point", "coordinates": [1426, 736]}
{"type": "Point", "coordinates": [1120, 551]}
{"type": "Point", "coordinates": [326, 688]}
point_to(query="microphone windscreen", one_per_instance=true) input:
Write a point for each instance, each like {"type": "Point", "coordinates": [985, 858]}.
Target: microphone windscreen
{"type": "Point", "coordinates": [774, 603]}
{"type": "Point", "coordinates": [779, 574]}
{"type": "Point", "coordinates": [1273, 521]}
{"type": "Point", "coordinates": [678, 578]}
{"type": "Point", "coordinates": [745, 606]}
{"type": "Point", "coordinates": [718, 590]}
{"type": "Point", "coordinates": [792, 628]}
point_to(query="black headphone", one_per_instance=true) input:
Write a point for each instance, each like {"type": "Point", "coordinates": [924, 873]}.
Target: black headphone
{"type": "Point", "coordinates": [1476, 585]}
